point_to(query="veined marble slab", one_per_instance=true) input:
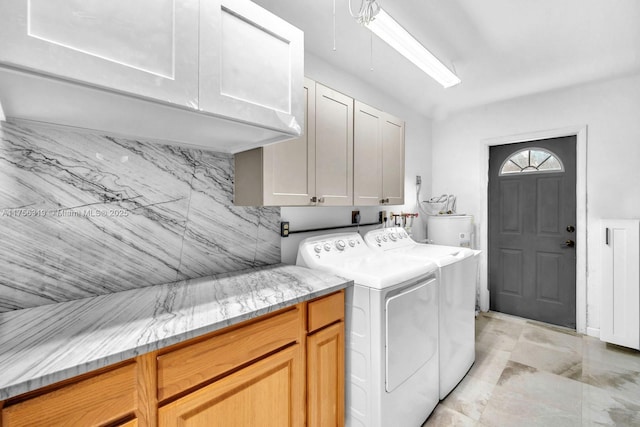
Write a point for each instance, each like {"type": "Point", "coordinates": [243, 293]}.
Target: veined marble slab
{"type": "Point", "coordinates": [43, 345]}
{"type": "Point", "coordinates": [83, 214]}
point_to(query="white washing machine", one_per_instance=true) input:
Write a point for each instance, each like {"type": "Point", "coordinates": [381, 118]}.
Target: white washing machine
{"type": "Point", "coordinates": [391, 330]}
{"type": "Point", "coordinates": [458, 269]}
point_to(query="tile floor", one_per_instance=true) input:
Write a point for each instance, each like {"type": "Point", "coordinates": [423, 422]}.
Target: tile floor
{"type": "Point", "coordinates": [529, 373]}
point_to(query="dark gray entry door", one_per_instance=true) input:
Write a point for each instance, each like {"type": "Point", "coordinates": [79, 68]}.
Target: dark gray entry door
{"type": "Point", "coordinates": [532, 218]}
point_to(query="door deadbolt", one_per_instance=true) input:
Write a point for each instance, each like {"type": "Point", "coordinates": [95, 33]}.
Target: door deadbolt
{"type": "Point", "coordinates": [571, 228]}
{"type": "Point", "coordinates": [570, 243]}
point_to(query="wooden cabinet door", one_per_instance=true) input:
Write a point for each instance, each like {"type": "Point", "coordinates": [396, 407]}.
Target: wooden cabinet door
{"type": "Point", "coordinates": [251, 65]}
{"type": "Point", "coordinates": [392, 160]}
{"type": "Point", "coordinates": [367, 155]}
{"type": "Point", "coordinates": [290, 166]}
{"type": "Point", "coordinates": [146, 47]}
{"type": "Point", "coordinates": [620, 318]}
{"type": "Point", "coordinates": [267, 393]}
{"type": "Point", "coordinates": [334, 147]}
{"type": "Point", "coordinates": [325, 377]}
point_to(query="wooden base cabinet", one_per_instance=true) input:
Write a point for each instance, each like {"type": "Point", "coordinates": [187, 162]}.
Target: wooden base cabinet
{"type": "Point", "coordinates": [110, 397]}
{"type": "Point", "coordinates": [325, 377]}
{"type": "Point", "coordinates": [325, 361]}
{"type": "Point", "coordinates": [267, 393]}
{"type": "Point", "coordinates": [282, 369]}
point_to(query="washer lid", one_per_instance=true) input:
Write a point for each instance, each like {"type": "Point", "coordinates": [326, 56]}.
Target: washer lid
{"type": "Point", "coordinates": [380, 270]}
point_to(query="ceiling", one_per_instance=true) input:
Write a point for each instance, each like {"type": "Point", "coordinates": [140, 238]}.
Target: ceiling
{"type": "Point", "coordinates": [500, 49]}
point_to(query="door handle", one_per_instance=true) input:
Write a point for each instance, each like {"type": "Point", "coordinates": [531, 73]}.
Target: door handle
{"type": "Point", "coordinates": [569, 243]}
{"type": "Point", "coordinates": [571, 228]}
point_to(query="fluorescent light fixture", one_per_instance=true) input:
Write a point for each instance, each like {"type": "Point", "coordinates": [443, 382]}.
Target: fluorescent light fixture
{"type": "Point", "coordinates": [385, 27]}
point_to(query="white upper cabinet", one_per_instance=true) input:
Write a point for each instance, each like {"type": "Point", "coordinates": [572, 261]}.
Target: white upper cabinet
{"type": "Point", "coordinates": [227, 75]}
{"type": "Point", "coordinates": [392, 160]}
{"type": "Point", "coordinates": [250, 67]}
{"type": "Point", "coordinates": [334, 147]}
{"type": "Point", "coordinates": [367, 155]}
{"type": "Point", "coordinates": [378, 157]}
{"type": "Point", "coordinates": [143, 47]}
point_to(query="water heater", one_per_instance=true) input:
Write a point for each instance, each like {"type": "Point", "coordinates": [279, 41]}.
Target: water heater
{"type": "Point", "coordinates": [450, 230]}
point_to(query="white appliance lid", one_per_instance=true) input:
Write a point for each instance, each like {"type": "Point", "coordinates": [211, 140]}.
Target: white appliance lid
{"type": "Point", "coordinates": [356, 261]}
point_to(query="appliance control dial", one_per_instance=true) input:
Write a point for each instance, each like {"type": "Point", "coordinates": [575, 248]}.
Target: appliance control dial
{"type": "Point", "coordinates": [378, 239]}
{"type": "Point", "coordinates": [384, 238]}
{"type": "Point", "coordinates": [327, 247]}
{"type": "Point", "coordinates": [352, 243]}
{"type": "Point", "coordinates": [393, 237]}
{"type": "Point", "coordinates": [340, 245]}
{"type": "Point", "coordinates": [317, 249]}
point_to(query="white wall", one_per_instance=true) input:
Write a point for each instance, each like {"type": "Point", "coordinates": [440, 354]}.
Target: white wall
{"type": "Point", "coordinates": [417, 154]}
{"type": "Point", "coordinates": [610, 110]}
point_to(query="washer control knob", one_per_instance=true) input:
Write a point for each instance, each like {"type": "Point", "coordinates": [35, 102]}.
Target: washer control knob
{"type": "Point", "coordinates": [384, 238]}
{"type": "Point", "coordinates": [327, 247]}
{"type": "Point", "coordinates": [317, 248]}
{"type": "Point", "coordinates": [340, 245]}
{"type": "Point", "coordinates": [393, 237]}
{"type": "Point", "coordinates": [352, 243]}
{"type": "Point", "coordinates": [378, 239]}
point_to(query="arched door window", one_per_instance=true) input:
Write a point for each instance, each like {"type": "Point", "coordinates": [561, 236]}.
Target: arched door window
{"type": "Point", "coordinates": [531, 160]}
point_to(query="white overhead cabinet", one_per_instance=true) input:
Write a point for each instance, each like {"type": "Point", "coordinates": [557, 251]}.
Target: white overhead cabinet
{"type": "Point", "coordinates": [282, 174]}
{"type": "Point", "coordinates": [251, 65]}
{"type": "Point", "coordinates": [147, 47]}
{"type": "Point", "coordinates": [225, 74]}
{"type": "Point", "coordinates": [378, 157]}
{"type": "Point", "coordinates": [620, 322]}
{"type": "Point", "coordinates": [313, 170]}
{"type": "Point", "coordinates": [346, 156]}
{"type": "Point", "coordinates": [334, 147]}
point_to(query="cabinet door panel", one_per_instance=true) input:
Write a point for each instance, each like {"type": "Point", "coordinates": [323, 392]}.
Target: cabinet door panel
{"type": "Point", "coordinates": [251, 65]}
{"type": "Point", "coordinates": [325, 377]}
{"type": "Point", "coordinates": [267, 393]}
{"type": "Point", "coordinates": [392, 160]}
{"type": "Point", "coordinates": [334, 147]}
{"type": "Point", "coordinates": [147, 48]}
{"type": "Point", "coordinates": [367, 155]}
{"type": "Point", "coordinates": [620, 323]}
{"type": "Point", "coordinates": [290, 166]}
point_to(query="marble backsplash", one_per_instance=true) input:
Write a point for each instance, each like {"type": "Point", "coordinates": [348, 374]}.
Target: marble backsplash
{"type": "Point", "coordinates": [84, 214]}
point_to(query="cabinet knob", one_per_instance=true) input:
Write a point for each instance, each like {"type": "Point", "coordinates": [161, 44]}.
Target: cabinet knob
{"type": "Point", "coordinates": [384, 200]}
{"type": "Point", "coordinates": [314, 199]}
{"type": "Point", "coordinates": [321, 200]}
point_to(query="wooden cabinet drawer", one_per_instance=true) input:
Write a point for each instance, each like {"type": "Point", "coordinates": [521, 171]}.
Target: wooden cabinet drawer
{"type": "Point", "coordinates": [99, 400]}
{"type": "Point", "coordinates": [324, 311]}
{"type": "Point", "coordinates": [186, 367]}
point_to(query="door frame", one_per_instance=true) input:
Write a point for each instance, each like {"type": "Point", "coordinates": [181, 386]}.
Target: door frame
{"type": "Point", "coordinates": [581, 212]}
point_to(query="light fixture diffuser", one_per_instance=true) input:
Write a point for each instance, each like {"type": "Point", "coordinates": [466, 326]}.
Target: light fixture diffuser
{"type": "Point", "coordinates": [392, 33]}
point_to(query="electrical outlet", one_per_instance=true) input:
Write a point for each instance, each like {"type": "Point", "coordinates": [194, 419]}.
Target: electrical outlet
{"type": "Point", "coordinates": [355, 217]}
{"type": "Point", "coordinates": [284, 229]}
{"type": "Point", "coordinates": [418, 180]}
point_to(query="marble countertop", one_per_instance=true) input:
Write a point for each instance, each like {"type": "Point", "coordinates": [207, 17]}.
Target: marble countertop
{"type": "Point", "coordinates": [43, 345]}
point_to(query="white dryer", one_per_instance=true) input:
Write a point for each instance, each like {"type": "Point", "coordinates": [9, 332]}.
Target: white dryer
{"type": "Point", "coordinates": [458, 269]}
{"type": "Point", "coordinates": [391, 330]}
